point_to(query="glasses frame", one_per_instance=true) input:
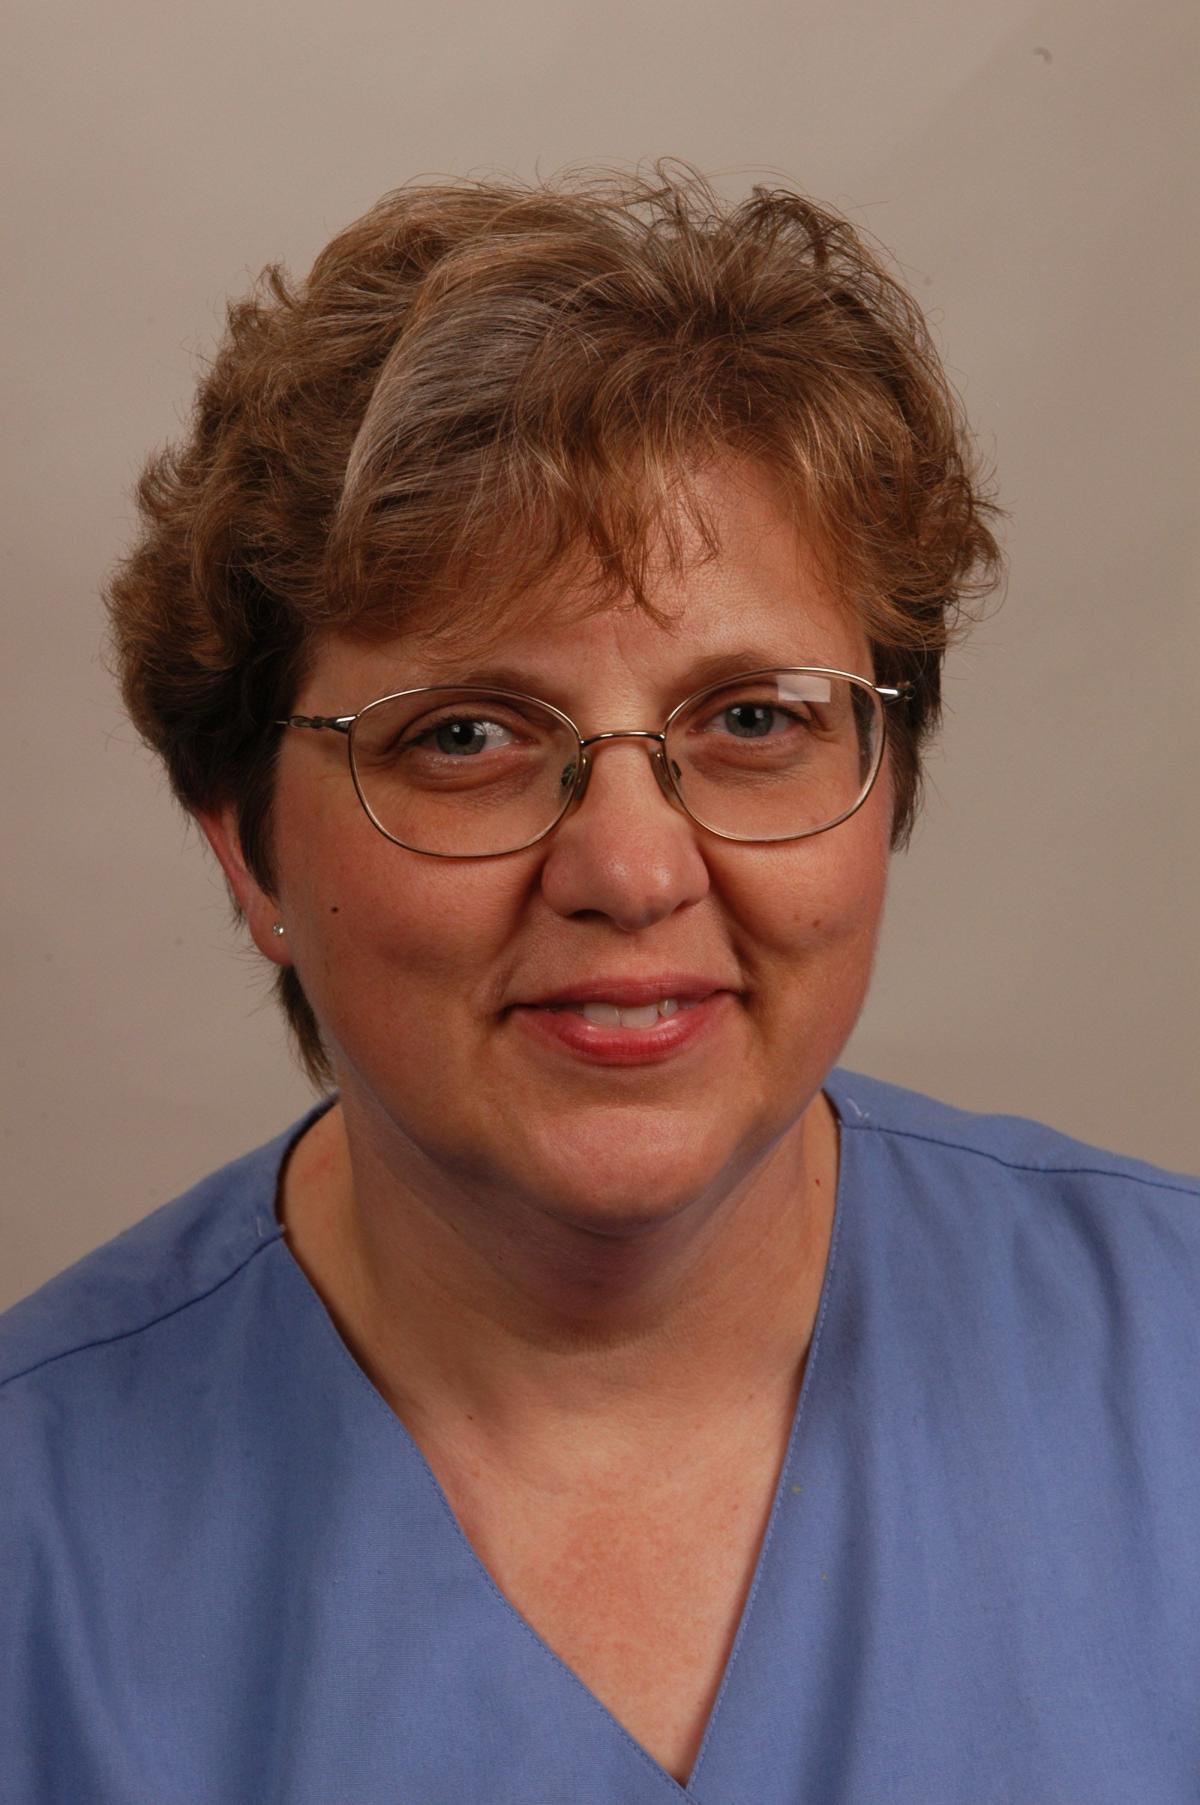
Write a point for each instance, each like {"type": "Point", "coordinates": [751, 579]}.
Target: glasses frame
{"type": "Point", "coordinates": [881, 695]}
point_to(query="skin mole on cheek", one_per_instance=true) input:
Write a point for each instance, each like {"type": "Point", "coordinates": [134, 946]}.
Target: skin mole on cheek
{"type": "Point", "coordinates": [333, 908]}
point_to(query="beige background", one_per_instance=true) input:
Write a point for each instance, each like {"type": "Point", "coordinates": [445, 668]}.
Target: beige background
{"type": "Point", "coordinates": [1029, 165]}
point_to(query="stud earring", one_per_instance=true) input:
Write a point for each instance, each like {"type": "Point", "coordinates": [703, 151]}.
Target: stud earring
{"type": "Point", "coordinates": [278, 928]}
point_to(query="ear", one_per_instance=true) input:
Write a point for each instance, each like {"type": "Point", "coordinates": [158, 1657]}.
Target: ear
{"type": "Point", "coordinates": [260, 910]}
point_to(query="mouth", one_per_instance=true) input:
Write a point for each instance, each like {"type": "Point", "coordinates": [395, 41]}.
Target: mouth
{"type": "Point", "coordinates": [627, 1020]}
{"type": "Point", "coordinates": [638, 1016]}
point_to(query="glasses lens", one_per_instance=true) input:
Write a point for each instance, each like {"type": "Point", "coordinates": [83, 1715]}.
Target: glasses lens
{"type": "Point", "coordinates": [465, 772]}
{"type": "Point", "coordinates": [777, 755]}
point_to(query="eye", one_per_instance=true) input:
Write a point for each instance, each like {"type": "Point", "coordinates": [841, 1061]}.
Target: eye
{"type": "Point", "coordinates": [459, 735]}
{"type": "Point", "coordinates": [748, 720]}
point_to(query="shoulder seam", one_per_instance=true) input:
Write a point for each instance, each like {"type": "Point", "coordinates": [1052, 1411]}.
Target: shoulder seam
{"type": "Point", "coordinates": [1090, 1171]}
{"type": "Point", "coordinates": [84, 1347]}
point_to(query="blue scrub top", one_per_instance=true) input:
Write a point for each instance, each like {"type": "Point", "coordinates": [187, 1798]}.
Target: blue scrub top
{"type": "Point", "coordinates": [230, 1578]}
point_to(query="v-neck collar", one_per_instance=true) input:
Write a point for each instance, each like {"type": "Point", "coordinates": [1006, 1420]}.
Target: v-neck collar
{"type": "Point", "coordinates": [768, 1552]}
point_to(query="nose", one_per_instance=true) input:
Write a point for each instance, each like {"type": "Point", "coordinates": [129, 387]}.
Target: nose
{"type": "Point", "coordinates": [625, 850]}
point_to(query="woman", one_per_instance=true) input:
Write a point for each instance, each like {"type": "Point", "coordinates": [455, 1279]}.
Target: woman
{"type": "Point", "coordinates": [597, 1397]}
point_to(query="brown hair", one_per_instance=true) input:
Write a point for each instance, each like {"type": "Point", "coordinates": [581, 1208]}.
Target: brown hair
{"type": "Point", "coordinates": [480, 382]}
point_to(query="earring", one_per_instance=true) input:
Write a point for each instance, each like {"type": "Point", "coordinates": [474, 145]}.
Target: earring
{"type": "Point", "coordinates": [278, 928]}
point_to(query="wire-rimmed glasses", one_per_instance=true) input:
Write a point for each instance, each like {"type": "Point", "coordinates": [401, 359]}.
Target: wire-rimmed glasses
{"type": "Point", "coordinates": [461, 771]}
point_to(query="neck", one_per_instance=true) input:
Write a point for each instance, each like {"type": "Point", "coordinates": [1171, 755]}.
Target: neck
{"type": "Point", "coordinates": [545, 1330]}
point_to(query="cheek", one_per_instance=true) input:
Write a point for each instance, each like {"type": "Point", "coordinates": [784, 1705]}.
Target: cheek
{"type": "Point", "coordinates": [395, 946]}
{"type": "Point", "coordinates": [820, 934]}
{"type": "Point", "coordinates": [820, 895]}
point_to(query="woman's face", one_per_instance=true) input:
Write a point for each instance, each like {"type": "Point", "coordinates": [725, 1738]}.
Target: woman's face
{"type": "Point", "coordinates": [425, 973]}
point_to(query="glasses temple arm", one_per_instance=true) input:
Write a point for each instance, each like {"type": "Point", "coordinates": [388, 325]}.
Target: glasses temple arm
{"type": "Point", "coordinates": [337, 723]}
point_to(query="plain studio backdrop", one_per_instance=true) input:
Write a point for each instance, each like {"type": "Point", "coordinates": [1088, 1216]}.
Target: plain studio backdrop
{"type": "Point", "coordinates": [1030, 169]}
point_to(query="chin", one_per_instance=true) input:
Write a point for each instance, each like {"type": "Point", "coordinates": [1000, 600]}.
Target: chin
{"type": "Point", "coordinates": [625, 1171]}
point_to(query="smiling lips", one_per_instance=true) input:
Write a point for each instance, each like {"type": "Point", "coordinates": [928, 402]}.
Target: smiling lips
{"type": "Point", "coordinates": [612, 1015]}
{"type": "Point", "coordinates": [625, 1021]}
{"type": "Point", "coordinates": [631, 993]}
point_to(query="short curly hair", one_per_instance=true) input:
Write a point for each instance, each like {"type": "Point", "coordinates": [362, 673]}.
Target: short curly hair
{"type": "Point", "coordinates": [481, 382]}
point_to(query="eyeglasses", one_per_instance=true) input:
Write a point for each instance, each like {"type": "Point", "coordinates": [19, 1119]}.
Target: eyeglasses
{"type": "Point", "coordinates": [461, 772]}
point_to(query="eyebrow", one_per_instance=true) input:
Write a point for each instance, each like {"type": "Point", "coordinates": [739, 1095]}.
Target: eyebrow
{"type": "Point", "coordinates": [711, 667]}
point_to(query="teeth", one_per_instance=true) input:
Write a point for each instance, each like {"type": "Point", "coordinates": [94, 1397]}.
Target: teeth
{"type": "Point", "coordinates": [607, 1015]}
{"type": "Point", "coordinates": [643, 1017]}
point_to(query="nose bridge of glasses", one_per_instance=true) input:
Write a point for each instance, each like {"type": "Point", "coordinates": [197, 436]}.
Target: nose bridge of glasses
{"type": "Point", "coordinates": [655, 751]}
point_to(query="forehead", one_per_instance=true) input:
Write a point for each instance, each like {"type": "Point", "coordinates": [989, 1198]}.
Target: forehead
{"type": "Point", "coordinates": [759, 595]}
